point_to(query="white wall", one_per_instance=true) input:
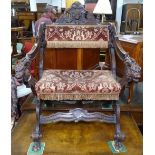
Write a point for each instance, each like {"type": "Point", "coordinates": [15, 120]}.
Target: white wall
{"type": "Point", "coordinates": [33, 5]}
{"type": "Point", "coordinates": [44, 1]}
{"type": "Point", "coordinates": [59, 3]}
{"type": "Point", "coordinates": [119, 13]}
{"type": "Point", "coordinates": [132, 1]}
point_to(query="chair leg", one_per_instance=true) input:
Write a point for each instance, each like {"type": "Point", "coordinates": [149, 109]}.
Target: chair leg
{"type": "Point", "coordinates": [118, 136]}
{"type": "Point", "coordinates": [36, 136]}
{"type": "Point", "coordinates": [131, 92]}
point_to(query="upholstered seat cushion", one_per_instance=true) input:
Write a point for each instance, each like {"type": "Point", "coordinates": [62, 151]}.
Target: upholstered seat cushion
{"type": "Point", "coordinates": [77, 85]}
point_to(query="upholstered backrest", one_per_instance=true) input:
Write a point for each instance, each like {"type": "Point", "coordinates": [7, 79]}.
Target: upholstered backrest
{"type": "Point", "coordinates": [77, 28]}
{"type": "Point", "coordinates": [77, 36]}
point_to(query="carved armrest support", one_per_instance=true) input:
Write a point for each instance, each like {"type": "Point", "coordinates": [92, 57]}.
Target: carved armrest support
{"type": "Point", "coordinates": [30, 81]}
{"type": "Point", "coordinates": [22, 69]}
{"type": "Point", "coordinates": [132, 71]}
{"type": "Point", "coordinates": [24, 64]}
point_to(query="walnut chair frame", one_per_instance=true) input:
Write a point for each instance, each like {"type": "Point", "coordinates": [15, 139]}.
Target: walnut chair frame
{"type": "Point", "coordinates": [131, 73]}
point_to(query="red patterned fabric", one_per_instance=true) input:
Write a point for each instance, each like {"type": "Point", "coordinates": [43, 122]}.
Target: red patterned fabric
{"type": "Point", "coordinates": [78, 85]}
{"type": "Point", "coordinates": [77, 36]}
{"type": "Point", "coordinates": [76, 33]}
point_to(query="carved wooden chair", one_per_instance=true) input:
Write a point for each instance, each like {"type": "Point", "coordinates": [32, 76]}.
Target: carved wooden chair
{"type": "Point", "coordinates": [78, 85]}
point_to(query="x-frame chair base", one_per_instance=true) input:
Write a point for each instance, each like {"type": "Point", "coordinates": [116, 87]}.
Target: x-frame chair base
{"type": "Point", "coordinates": [76, 115]}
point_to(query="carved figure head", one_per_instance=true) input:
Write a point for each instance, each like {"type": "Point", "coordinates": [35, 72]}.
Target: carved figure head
{"type": "Point", "coordinates": [22, 65]}
{"type": "Point", "coordinates": [133, 70]}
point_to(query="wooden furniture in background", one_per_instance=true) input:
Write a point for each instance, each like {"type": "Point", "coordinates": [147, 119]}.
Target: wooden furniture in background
{"type": "Point", "coordinates": [19, 6]}
{"type": "Point", "coordinates": [133, 44]}
{"type": "Point", "coordinates": [132, 18]}
{"type": "Point", "coordinates": [19, 1]}
{"type": "Point", "coordinates": [26, 15]}
{"type": "Point", "coordinates": [16, 32]}
{"type": "Point", "coordinates": [25, 19]}
{"type": "Point", "coordinates": [40, 9]}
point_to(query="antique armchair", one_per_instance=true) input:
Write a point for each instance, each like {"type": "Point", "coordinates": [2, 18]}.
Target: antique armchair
{"type": "Point", "coordinates": [78, 85]}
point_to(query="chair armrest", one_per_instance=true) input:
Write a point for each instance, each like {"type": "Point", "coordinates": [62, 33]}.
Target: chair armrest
{"type": "Point", "coordinates": [132, 71]}
{"type": "Point", "coordinates": [24, 64]}
{"type": "Point", "coordinates": [22, 73]}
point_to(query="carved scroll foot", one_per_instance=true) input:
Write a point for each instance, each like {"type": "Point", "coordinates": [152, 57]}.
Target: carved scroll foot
{"type": "Point", "coordinates": [36, 136]}
{"type": "Point", "coordinates": [118, 136]}
{"type": "Point", "coordinates": [118, 139]}
{"type": "Point", "coordinates": [36, 141]}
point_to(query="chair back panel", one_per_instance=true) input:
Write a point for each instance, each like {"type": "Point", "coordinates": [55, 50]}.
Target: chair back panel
{"type": "Point", "coordinates": [77, 36]}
